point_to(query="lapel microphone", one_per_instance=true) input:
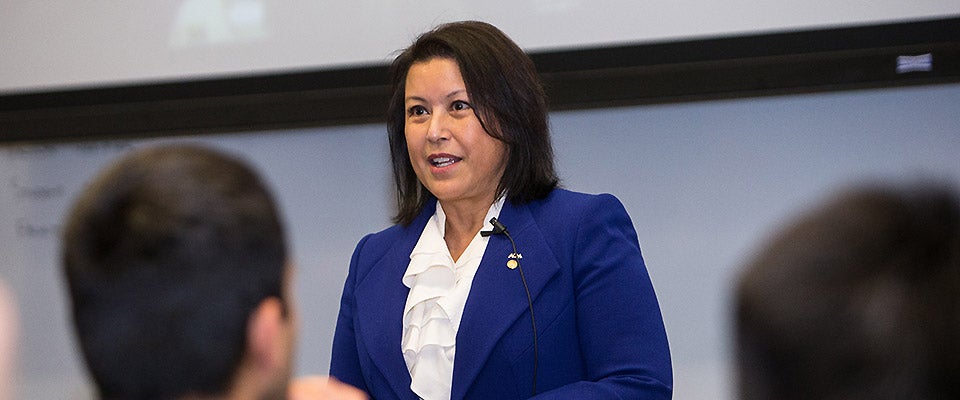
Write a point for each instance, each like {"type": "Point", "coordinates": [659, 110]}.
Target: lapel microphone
{"type": "Point", "coordinates": [498, 229]}
{"type": "Point", "coordinates": [513, 262]}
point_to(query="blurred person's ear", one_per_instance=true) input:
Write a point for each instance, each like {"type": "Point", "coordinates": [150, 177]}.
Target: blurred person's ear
{"type": "Point", "coordinates": [268, 336]}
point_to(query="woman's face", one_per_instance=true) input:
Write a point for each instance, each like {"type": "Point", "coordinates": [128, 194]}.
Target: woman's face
{"type": "Point", "coordinates": [451, 154]}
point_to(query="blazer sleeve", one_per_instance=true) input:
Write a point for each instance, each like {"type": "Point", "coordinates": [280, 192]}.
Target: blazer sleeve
{"type": "Point", "coordinates": [620, 327]}
{"type": "Point", "coordinates": [344, 359]}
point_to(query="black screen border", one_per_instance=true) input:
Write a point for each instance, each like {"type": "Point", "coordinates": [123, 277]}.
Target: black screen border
{"type": "Point", "coordinates": [846, 58]}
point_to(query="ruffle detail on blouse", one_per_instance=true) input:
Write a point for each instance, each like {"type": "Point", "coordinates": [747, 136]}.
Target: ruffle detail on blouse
{"type": "Point", "coordinates": [429, 335]}
{"type": "Point", "coordinates": [431, 316]}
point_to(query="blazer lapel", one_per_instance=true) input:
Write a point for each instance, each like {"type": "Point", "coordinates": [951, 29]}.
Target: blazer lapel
{"type": "Point", "coordinates": [497, 298]}
{"type": "Point", "coordinates": [380, 298]}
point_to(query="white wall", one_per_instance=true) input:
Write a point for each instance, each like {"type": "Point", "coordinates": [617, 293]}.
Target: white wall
{"type": "Point", "coordinates": [704, 183]}
{"type": "Point", "coordinates": [52, 44]}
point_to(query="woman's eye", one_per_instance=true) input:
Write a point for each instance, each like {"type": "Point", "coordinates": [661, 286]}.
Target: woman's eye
{"type": "Point", "coordinates": [460, 105]}
{"type": "Point", "coordinates": [416, 111]}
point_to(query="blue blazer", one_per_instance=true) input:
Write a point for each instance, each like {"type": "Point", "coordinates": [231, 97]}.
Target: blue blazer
{"type": "Point", "coordinates": [600, 331]}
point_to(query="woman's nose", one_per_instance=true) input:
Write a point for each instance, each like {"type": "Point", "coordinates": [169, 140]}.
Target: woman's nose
{"type": "Point", "coordinates": [438, 128]}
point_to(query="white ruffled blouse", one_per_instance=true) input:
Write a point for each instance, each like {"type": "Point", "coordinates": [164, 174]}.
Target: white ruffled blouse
{"type": "Point", "coordinates": [438, 292]}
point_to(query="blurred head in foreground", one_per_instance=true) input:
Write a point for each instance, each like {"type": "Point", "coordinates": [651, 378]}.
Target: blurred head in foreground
{"type": "Point", "coordinates": [175, 260]}
{"type": "Point", "coordinates": [858, 299]}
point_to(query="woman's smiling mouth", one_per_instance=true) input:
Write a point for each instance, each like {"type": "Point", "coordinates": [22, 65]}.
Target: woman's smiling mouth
{"type": "Point", "coordinates": [443, 161]}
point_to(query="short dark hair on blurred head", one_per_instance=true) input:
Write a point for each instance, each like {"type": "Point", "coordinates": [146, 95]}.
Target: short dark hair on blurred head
{"type": "Point", "coordinates": [507, 96]}
{"type": "Point", "coordinates": [166, 255]}
{"type": "Point", "coordinates": [860, 299]}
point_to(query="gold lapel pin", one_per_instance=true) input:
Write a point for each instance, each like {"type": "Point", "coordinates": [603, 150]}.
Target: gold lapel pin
{"type": "Point", "coordinates": [512, 262]}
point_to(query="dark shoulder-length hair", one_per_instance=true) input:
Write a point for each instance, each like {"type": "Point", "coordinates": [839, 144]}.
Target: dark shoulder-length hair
{"type": "Point", "coordinates": [507, 97]}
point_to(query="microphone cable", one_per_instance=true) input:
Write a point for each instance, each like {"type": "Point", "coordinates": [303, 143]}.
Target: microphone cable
{"type": "Point", "coordinates": [500, 229]}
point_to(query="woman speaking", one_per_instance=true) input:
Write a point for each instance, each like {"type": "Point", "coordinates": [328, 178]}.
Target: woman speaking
{"type": "Point", "coordinates": [494, 283]}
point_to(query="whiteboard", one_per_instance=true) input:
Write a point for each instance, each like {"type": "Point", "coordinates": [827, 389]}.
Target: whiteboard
{"type": "Point", "coordinates": [57, 45]}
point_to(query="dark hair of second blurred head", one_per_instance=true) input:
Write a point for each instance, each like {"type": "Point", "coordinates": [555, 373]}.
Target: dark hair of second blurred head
{"type": "Point", "coordinates": [167, 253]}
{"type": "Point", "coordinates": [505, 93]}
{"type": "Point", "coordinates": [860, 299]}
